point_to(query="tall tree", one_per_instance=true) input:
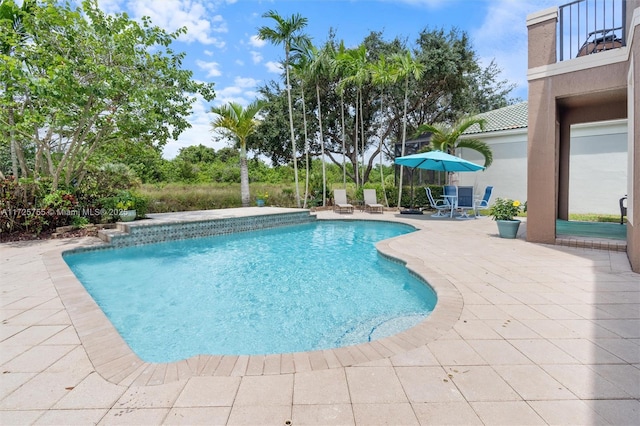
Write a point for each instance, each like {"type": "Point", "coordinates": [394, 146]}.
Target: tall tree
{"type": "Point", "coordinates": [356, 71]}
{"type": "Point", "coordinates": [92, 79]}
{"type": "Point", "coordinates": [407, 67]}
{"type": "Point", "coordinates": [238, 124]}
{"type": "Point", "coordinates": [441, 95]}
{"type": "Point", "coordinates": [319, 69]}
{"type": "Point", "coordinates": [14, 33]}
{"type": "Point", "coordinates": [288, 33]}
{"type": "Point", "coordinates": [301, 69]}
{"type": "Point", "coordinates": [338, 71]}
{"type": "Point", "coordinates": [383, 74]}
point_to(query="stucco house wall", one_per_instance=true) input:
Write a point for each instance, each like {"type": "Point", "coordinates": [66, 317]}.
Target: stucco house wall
{"type": "Point", "coordinates": [598, 163]}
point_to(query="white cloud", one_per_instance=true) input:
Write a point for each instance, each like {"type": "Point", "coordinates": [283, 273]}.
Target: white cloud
{"type": "Point", "coordinates": [246, 82]}
{"type": "Point", "coordinates": [506, 20]}
{"type": "Point", "coordinates": [111, 6]}
{"type": "Point", "coordinates": [221, 24]}
{"type": "Point", "coordinates": [174, 14]}
{"type": "Point", "coordinates": [256, 41]}
{"type": "Point", "coordinates": [199, 133]}
{"type": "Point", "coordinates": [229, 91]}
{"type": "Point", "coordinates": [212, 68]}
{"type": "Point", "coordinates": [208, 52]}
{"type": "Point", "coordinates": [242, 91]}
{"type": "Point", "coordinates": [274, 67]}
{"type": "Point", "coordinates": [239, 62]}
{"type": "Point", "coordinates": [256, 57]}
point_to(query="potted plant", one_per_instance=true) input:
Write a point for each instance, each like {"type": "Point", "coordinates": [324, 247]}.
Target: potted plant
{"type": "Point", "coordinates": [126, 206]}
{"type": "Point", "coordinates": [503, 212]}
{"type": "Point", "coordinates": [261, 199]}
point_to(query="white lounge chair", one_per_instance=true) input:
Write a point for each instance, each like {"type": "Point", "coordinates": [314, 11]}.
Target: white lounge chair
{"type": "Point", "coordinates": [371, 204]}
{"type": "Point", "coordinates": [340, 204]}
{"type": "Point", "coordinates": [439, 205]}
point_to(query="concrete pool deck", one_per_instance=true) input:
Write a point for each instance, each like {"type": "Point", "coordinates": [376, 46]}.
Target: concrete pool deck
{"type": "Point", "coordinates": [526, 334]}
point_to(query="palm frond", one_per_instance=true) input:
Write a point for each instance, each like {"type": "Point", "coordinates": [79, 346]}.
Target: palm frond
{"type": "Point", "coordinates": [479, 146]}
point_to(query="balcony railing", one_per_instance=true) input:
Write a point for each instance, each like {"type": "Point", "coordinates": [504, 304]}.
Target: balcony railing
{"type": "Point", "coordinates": [590, 26]}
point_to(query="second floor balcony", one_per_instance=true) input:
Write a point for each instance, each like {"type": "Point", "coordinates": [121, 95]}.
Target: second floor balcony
{"type": "Point", "coordinates": [587, 27]}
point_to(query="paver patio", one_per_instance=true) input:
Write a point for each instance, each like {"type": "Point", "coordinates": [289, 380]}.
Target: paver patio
{"type": "Point", "coordinates": [522, 334]}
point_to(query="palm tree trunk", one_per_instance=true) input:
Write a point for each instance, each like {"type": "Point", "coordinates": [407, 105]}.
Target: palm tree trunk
{"type": "Point", "coordinates": [344, 153]}
{"type": "Point", "coordinates": [362, 138]}
{"type": "Point", "coordinates": [355, 145]}
{"type": "Point", "coordinates": [380, 148]}
{"type": "Point", "coordinates": [404, 135]}
{"type": "Point", "coordinates": [324, 167]}
{"type": "Point", "coordinates": [306, 148]}
{"type": "Point", "coordinates": [244, 176]}
{"type": "Point", "coordinates": [293, 140]}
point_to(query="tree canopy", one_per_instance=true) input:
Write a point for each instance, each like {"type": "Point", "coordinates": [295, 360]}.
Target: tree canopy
{"type": "Point", "coordinates": [77, 79]}
{"type": "Point", "coordinates": [438, 80]}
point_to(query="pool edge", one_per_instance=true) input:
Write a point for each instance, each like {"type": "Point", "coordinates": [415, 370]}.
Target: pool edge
{"type": "Point", "coordinates": [117, 363]}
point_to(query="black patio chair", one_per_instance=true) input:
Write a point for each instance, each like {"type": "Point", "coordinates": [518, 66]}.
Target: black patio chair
{"type": "Point", "coordinates": [623, 209]}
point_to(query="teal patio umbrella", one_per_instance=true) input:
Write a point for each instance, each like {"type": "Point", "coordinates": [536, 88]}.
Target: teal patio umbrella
{"type": "Point", "coordinates": [436, 160]}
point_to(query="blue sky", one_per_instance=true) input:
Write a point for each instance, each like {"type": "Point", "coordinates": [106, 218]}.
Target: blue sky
{"type": "Point", "coordinates": [222, 47]}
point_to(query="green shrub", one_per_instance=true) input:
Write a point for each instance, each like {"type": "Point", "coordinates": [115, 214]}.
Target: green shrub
{"type": "Point", "coordinates": [184, 197]}
{"type": "Point", "coordinates": [60, 207]}
{"type": "Point", "coordinates": [79, 221]}
{"type": "Point", "coordinates": [180, 197]}
{"type": "Point", "coordinates": [107, 179]}
{"type": "Point", "coordinates": [15, 201]}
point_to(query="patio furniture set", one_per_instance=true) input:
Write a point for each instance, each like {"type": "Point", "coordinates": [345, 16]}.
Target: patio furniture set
{"type": "Point", "coordinates": [456, 200]}
{"type": "Point", "coordinates": [460, 200]}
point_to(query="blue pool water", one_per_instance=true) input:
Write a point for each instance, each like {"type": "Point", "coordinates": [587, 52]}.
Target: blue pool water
{"type": "Point", "coordinates": [296, 288]}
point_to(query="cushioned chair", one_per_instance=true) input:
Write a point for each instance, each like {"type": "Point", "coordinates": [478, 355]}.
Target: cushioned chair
{"type": "Point", "coordinates": [439, 205]}
{"type": "Point", "coordinates": [484, 202]}
{"type": "Point", "coordinates": [465, 202]}
{"type": "Point", "coordinates": [340, 203]}
{"type": "Point", "coordinates": [371, 204]}
{"type": "Point", "coordinates": [450, 195]}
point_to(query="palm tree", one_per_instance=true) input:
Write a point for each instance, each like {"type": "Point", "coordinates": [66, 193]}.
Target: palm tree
{"type": "Point", "coordinates": [301, 71]}
{"type": "Point", "coordinates": [337, 70]}
{"type": "Point", "coordinates": [287, 32]}
{"type": "Point", "coordinates": [447, 137]}
{"type": "Point", "coordinates": [354, 65]}
{"type": "Point", "coordinates": [320, 67]}
{"type": "Point", "coordinates": [407, 67]}
{"type": "Point", "coordinates": [383, 74]}
{"type": "Point", "coordinates": [238, 124]}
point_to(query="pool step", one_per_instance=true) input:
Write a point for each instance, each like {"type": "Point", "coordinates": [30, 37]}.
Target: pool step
{"type": "Point", "coordinates": [205, 223]}
{"type": "Point", "coordinates": [370, 329]}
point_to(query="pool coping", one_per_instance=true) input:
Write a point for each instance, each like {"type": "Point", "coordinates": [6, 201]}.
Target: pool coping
{"type": "Point", "coordinates": [114, 360]}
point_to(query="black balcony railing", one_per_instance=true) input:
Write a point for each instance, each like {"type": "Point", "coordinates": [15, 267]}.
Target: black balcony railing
{"type": "Point", "coordinates": [590, 26]}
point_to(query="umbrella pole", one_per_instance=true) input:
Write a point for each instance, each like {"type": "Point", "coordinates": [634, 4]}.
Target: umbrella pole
{"type": "Point", "coordinates": [412, 199]}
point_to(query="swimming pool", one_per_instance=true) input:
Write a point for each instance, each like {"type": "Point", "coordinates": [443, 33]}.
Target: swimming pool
{"type": "Point", "coordinates": [289, 289]}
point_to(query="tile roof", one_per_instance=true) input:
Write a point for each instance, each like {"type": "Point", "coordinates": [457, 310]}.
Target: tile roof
{"type": "Point", "coordinates": [509, 117]}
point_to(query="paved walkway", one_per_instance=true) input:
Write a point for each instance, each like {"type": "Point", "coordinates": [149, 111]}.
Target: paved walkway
{"type": "Point", "coordinates": [526, 334]}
